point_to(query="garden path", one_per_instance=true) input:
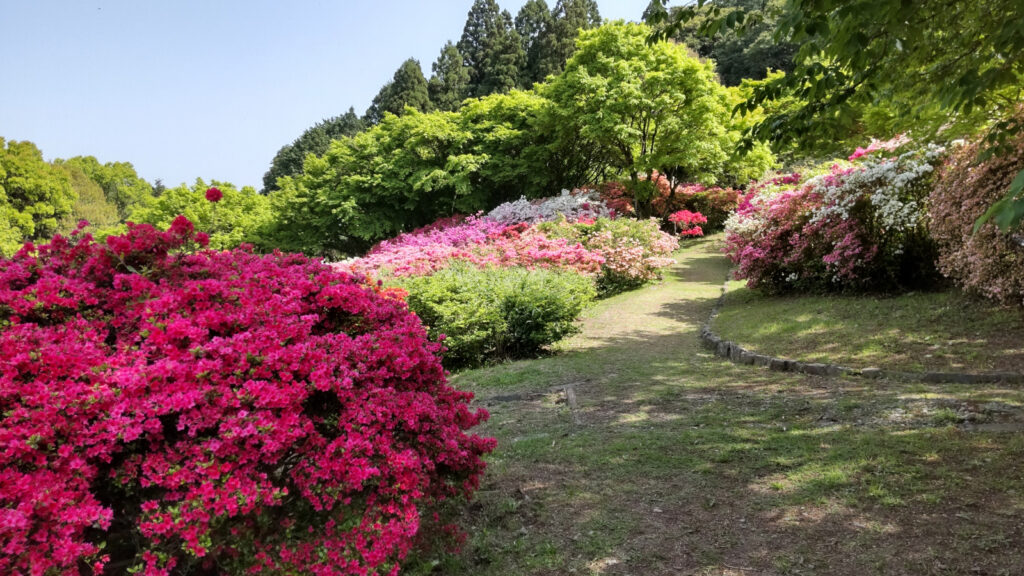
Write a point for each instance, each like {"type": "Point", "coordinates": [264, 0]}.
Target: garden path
{"type": "Point", "coordinates": [675, 462]}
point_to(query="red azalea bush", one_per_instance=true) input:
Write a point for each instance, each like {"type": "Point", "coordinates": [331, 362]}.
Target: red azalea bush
{"type": "Point", "coordinates": [688, 223]}
{"type": "Point", "coordinates": [989, 263]}
{"type": "Point", "coordinates": [215, 412]}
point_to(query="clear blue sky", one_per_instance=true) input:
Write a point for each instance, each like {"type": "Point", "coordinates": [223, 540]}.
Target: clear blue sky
{"type": "Point", "coordinates": [208, 88]}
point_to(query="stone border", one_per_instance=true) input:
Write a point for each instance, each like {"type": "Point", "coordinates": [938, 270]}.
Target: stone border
{"type": "Point", "coordinates": [740, 355]}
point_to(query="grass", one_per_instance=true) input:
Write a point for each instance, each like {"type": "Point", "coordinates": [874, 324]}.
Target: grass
{"type": "Point", "coordinates": [674, 462]}
{"type": "Point", "coordinates": [924, 331]}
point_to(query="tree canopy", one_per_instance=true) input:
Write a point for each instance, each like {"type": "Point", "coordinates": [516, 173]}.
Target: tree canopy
{"type": "Point", "coordinates": [288, 160]}
{"type": "Point", "coordinates": [449, 83]}
{"type": "Point", "coordinates": [408, 89]}
{"type": "Point", "coordinates": [34, 195]}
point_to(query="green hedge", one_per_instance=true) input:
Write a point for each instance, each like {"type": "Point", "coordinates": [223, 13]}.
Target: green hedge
{"type": "Point", "coordinates": [497, 313]}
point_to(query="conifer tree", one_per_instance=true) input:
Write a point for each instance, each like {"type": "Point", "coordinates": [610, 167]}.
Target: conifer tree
{"type": "Point", "coordinates": [556, 46]}
{"type": "Point", "coordinates": [532, 23]}
{"type": "Point", "coordinates": [407, 88]}
{"type": "Point", "coordinates": [450, 80]}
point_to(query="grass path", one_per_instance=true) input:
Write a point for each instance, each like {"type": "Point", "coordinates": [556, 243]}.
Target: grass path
{"type": "Point", "coordinates": [674, 462]}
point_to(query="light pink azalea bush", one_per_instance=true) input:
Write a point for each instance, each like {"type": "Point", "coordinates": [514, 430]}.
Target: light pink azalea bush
{"type": "Point", "coordinates": [168, 409]}
{"type": "Point", "coordinates": [990, 262]}
{"type": "Point", "coordinates": [858, 226]}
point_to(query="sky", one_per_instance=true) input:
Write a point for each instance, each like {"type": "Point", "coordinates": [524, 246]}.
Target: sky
{"type": "Point", "coordinates": [208, 88]}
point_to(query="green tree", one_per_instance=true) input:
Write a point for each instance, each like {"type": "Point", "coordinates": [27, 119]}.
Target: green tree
{"type": "Point", "coordinates": [240, 216]}
{"type": "Point", "coordinates": [121, 185]}
{"type": "Point", "coordinates": [288, 160]}
{"type": "Point", "coordinates": [504, 59]}
{"type": "Point", "coordinates": [403, 173]}
{"type": "Point", "coordinates": [481, 23]}
{"type": "Point", "coordinates": [408, 89]}
{"type": "Point", "coordinates": [91, 203]}
{"type": "Point", "coordinates": [35, 196]}
{"type": "Point", "coordinates": [449, 84]}
{"type": "Point", "coordinates": [558, 42]}
{"type": "Point", "coordinates": [533, 21]}
{"type": "Point", "coordinates": [648, 107]}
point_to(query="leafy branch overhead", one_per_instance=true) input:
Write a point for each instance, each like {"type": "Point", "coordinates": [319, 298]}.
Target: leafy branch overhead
{"type": "Point", "coordinates": [964, 59]}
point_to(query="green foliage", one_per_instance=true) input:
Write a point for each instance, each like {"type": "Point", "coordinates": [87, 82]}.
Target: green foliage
{"type": "Point", "coordinates": [121, 185]}
{"type": "Point", "coordinates": [35, 196]}
{"type": "Point", "coordinates": [449, 84]}
{"type": "Point", "coordinates": [533, 21]}
{"type": "Point", "coordinates": [288, 160]}
{"type": "Point", "coordinates": [648, 107]}
{"type": "Point", "coordinates": [91, 204]}
{"type": "Point", "coordinates": [497, 313]}
{"type": "Point", "coordinates": [558, 43]}
{"type": "Point", "coordinates": [240, 216]}
{"type": "Point", "coordinates": [505, 130]}
{"type": "Point", "coordinates": [408, 89]}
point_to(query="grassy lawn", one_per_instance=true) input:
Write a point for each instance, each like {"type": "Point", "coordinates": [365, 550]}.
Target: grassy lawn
{"type": "Point", "coordinates": [923, 331]}
{"type": "Point", "coordinates": [674, 462]}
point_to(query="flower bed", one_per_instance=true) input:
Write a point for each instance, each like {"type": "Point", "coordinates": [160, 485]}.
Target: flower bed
{"type": "Point", "coordinates": [170, 411]}
{"type": "Point", "coordinates": [857, 226]}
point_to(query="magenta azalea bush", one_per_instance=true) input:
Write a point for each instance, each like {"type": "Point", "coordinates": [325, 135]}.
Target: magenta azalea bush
{"type": "Point", "coordinates": [859, 226]}
{"type": "Point", "coordinates": [170, 410]}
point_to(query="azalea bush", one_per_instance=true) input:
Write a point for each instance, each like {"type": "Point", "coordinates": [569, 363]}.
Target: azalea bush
{"type": "Point", "coordinates": [860, 226]}
{"type": "Point", "coordinates": [169, 409]}
{"type": "Point", "coordinates": [575, 205]}
{"type": "Point", "coordinates": [494, 313]}
{"type": "Point", "coordinates": [990, 262]}
{"type": "Point", "coordinates": [713, 202]}
{"type": "Point", "coordinates": [633, 251]}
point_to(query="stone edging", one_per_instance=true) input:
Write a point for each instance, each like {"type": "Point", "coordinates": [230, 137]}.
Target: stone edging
{"type": "Point", "coordinates": [740, 355]}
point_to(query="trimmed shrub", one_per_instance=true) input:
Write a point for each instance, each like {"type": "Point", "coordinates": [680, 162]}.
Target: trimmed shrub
{"type": "Point", "coordinates": [989, 263]}
{"type": "Point", "coordinates": [171, 411]}
{"type": "Point", "coordinates": [497, 313]}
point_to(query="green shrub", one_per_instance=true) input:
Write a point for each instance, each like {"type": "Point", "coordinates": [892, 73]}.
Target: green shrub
{"type": "Point", "coordinates": [496, 313]}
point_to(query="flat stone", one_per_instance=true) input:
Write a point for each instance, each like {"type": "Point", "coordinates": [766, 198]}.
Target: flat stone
{"type": "Point", "coordinates": [872, 373]}
{"type": "Point", "coordinates": [723, 348]}
{"type": "Point", "coordinates": [735, 351]}
{"type": "Point", "coordinates": [762, 360]}
{"type": "Point", "coordinates": [746, 357]}
{"type": "Point", "coordinates": [777, 364]}
{"type": "Point", "coordinates": [815, 368]}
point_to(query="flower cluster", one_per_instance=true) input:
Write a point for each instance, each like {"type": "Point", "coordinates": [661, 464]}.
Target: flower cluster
{"type": "Point", "coordinates": [858, 226]}
{"type": "Point", "coordinates": [713, 202]}
{"type": "Point", "coordinates": [171, 410]}
{"type": "Point", "coordinates": [688, 223]}
{"type": "Point", "coordinates": [573, 206]}
{"type": "Point", "coordinates": [479, 241]}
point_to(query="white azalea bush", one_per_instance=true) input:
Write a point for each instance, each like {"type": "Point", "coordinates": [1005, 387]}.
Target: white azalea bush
{"type": "Point", "coordinates": [576, 205]}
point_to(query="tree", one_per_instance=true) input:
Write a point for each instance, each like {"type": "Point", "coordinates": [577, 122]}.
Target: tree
{"type": "Point", "coordinates": [239, 216]}
{"type": "Point", "coordinates": [34, 195]}
{"type": "Point", "coordinates": [492, 49]}
{"type": "Point", "coordinates": [401, 174]}
{"type": "Point", "coordinates": [558, 44]}
{"type": "Point", "coordinates": [408, 88]}
{"type": "Point", "coordinates": [121, 185]}
{"type": "Point", "coordinates": [533, 21]}
{"type": "Point", "coordinates": [961, 57]}
{"type": "Point", "coordinates": [91, 203]}
{"type": "Point", "coordinates": [647, 108]}
{"type": "Point", "coordinates": [481, 23]}
{"type": "Point", "coordinates": [449, 83]}
{"type": "Point", "coordinates": [504, 59]}
{"type": "Point", "coordinates": [288, 160]}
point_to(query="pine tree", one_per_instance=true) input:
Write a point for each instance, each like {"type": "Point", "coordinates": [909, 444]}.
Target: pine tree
{"type": "Point", "coordinates": [504, 58]}
{"type": "Point", "coordinates": [532, 23]}
{"type": "Point", "coordinates": [556, 46]}
{"type": "Point", "coordinates": [407, 88]}
{"type": "Point", "coordinates": [450, 80]}
{"type": "Point", "coordinates": [481, 22]}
